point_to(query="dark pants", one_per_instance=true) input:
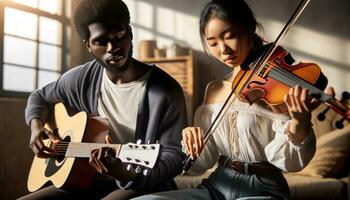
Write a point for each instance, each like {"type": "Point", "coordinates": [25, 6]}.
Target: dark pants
{"type": "Point", "coordinates": [264, 181]}
{"type": "Point", "coordinates": [107, 190]}
{"type": "Point", "coordinates": [225, 183]}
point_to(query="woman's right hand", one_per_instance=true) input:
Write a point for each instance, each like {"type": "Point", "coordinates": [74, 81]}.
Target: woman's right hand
{"type": "Point", "coordinates": [193, 140]}
{"type": "Point", "coordinates": [39, 133]}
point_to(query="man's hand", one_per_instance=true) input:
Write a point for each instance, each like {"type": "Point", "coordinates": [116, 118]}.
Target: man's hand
{"type": "Point", "coordinates": [104, 160]}
{"type": "Point", "coordinates": [39, 133]}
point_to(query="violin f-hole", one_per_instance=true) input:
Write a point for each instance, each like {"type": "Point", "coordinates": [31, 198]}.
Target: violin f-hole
{"type": "Point", "coordinates": [256, 82]}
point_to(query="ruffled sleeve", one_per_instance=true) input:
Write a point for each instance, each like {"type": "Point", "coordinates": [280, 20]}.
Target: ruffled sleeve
{"type": "Point", "coordinates": [286, 155]}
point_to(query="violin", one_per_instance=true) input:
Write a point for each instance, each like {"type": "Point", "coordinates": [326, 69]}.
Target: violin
{"type": "Point", "coordinates": [273, 80]}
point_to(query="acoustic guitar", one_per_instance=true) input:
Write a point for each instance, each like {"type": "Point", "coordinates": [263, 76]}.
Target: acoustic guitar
{"type": "Point", "coordinates": [80, 134]}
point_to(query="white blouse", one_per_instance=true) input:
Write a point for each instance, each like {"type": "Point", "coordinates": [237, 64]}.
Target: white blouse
{"type": "Point", "coordinates": [251, 133]}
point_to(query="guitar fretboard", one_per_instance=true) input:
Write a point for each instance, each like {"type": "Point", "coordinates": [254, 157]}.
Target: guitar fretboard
{"type": "Point", "coordinates": [82, 150]}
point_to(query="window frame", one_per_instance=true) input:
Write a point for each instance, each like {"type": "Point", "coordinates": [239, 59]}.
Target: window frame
{"type": "Point", "coordinates": [62, 18]}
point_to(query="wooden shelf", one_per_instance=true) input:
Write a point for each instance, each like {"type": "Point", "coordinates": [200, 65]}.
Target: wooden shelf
{"type": "Point", "coordinates": [183, 70]}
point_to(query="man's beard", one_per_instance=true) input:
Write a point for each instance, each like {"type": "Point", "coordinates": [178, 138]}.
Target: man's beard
{"type": "Point", "coordinates": [114, 68]}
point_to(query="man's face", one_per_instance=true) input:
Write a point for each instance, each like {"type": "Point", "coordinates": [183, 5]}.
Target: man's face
{"type": "Point", "coordinates": [111, 45]}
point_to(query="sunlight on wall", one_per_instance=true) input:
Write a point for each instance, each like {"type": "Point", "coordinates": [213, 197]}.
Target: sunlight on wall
{"type": "Point", "coordinates": [145, 14]}
{"type": "Point", "coordinates": [188, 30]}
{"type": "Point", "coordinates": [313, 42]}
{"type": "Point", "coordinates": [164, 25]}
{"type": "Point", "coordinates": [331, 53]}
{"type": "Point", "coordinates": [178, 27]}
{"type": "Point", "coordinates": [166, 21]}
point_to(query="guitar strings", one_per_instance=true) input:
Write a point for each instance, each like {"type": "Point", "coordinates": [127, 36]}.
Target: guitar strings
{"type": "Point", "coordinates": [61, 147]}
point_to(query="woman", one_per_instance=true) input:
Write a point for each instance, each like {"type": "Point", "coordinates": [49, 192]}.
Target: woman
{"type": "Point", "coordinates": [252, 144]}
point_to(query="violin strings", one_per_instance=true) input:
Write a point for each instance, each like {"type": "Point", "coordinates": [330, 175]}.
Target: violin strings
{"type": "Point", "coordinates": [287, 74]}
{"type": "Point", "coordinates": [284, 72]}
{"type": "Point", "coordinates": [297, 80]}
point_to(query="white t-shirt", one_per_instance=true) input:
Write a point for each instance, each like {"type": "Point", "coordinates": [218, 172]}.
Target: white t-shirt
{"type": "Point", "coordinates": [119, 104]}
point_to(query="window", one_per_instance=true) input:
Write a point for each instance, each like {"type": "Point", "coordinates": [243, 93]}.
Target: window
{"type": "Point", "coordinates": [33, 44]}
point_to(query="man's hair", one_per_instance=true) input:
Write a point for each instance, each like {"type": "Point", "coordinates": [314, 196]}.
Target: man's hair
{"type": "Point", "coordinates": [107, 12]}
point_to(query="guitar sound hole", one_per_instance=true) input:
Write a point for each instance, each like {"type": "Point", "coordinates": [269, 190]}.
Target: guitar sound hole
{"type": "Point", "coordinates": [55, 164]}
{"type": "Point", "coordinates": [61, 149]}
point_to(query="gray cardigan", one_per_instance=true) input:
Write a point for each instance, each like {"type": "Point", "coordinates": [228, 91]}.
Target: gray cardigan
{"type": "Point", "coordinates": [161, 114]}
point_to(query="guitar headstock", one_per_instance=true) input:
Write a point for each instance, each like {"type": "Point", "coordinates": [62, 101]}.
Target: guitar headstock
{"type": "Point", "coordinates": [144, 155]}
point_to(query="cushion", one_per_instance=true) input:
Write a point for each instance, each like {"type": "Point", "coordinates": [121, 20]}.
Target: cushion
{"type": "Point", "coordinates": [305, 187]}
{"type": "Point", "coordinates": [332, 153]}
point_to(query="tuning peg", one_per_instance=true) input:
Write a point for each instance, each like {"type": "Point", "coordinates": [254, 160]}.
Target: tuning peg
{"type": "Point", "coordinates": [345, 96]}
{"type": "Point", "coordinates": [157, 141]}
{"type": "Point", "coordinates": [138, 169]}
{"type": "Point", "coordinates": [149, 141]}
{"type": "Point", "coordinates": [138, 141]}
{"type": "Point", "coordinates": [146, 172]}
{"type": "Point", "coordinates": [129, 167]}
{"type": "Point", "coordinates": [322, 115]}
{"type": "Point", "coordinates": [339, 124]}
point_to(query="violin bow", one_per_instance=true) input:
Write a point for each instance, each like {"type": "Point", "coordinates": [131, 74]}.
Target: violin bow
{"type": "Point", "coordinates": [187, 163]}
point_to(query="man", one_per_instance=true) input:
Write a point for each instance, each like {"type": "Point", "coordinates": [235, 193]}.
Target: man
{"type": "Point", "coordinates": [140, 102]}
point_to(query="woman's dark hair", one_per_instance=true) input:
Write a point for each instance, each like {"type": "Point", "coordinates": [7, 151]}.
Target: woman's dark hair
{"type": "Point", "coordinates": [107, 12]}
{"type": "Point", "coordinates": [236, 11]}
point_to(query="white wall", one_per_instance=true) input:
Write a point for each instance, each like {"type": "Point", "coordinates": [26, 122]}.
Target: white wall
{"type": "Point", "coordinates": [167, 21]}
{"type": "Point", "coordinates": [321, 35]}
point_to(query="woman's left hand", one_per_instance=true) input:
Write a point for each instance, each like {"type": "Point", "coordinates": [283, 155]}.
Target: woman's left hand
{"type": "Point", "coordinates": [299, 108]}
{"type": "Point", "coordinates": [298, 104]}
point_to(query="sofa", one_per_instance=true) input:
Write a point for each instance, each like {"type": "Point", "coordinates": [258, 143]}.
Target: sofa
{"type": "Point", "coordinates": [327, 176]}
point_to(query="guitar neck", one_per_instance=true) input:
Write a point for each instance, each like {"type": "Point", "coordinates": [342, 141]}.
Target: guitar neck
{"type": "Point", "coordinates": [83, 150]}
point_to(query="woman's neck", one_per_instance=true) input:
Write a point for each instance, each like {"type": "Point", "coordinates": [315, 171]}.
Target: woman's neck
{"type": "Point", "coordinates": [233, 74]}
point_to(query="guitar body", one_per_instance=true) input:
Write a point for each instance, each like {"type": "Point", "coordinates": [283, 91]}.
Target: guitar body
{"type": "Point", "coordinates": [68, 171]}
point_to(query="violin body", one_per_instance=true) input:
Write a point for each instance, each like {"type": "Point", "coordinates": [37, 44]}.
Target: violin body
{"type": "Point", "coordinates": [272, 82]}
